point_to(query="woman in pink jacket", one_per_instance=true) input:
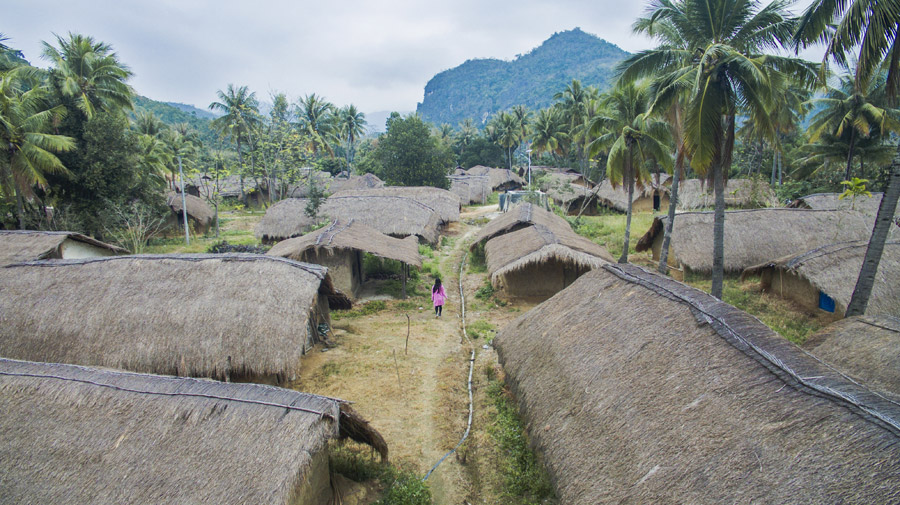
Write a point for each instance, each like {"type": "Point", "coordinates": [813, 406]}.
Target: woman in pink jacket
{"type": "Point", "coordinates": [438, 296]}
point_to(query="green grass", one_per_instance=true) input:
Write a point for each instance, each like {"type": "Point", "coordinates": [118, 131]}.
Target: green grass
{"type": "Point", "coordinates": [477, 262]}
{"type": "Point", "coordinates": [525, 480]}
{"type": "Point", "coordinates": [609, 230]}
{"type": "Point", "coordinates": [773, 311]}
{"type": "Point", "coordinates": [481, 328]}
{"type": "Point", "coordinates": [401, 485]}
{"type": "Point", "coordinates": [366, 309]}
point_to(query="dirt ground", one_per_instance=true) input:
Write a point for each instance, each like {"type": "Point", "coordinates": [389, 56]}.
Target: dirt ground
{"type": "Point", "coordinates": [417, 396]}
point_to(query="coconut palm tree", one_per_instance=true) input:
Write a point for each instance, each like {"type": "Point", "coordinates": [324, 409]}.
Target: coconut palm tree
{"type": "Point", "coordinates": [506, 130]}
{"type": "Point", "coordinates": [467, 134]}
{"type": "Point", "coordinates": [90, 73]}
{"type": "Point", "coordinates": [316, 124]}
{"type": "Point", "coordinates": [353, 126]}
{"type": "Point", "coordinates": [241, 115]}
{"type": "Point", "coordinates": [26, 118]}
{"type": "Point", "coordinates": [548, 132]}
{"type": "Point", "coordinates": [871, 28]}
{"type": "Point", "coordinates": [633, 138]}
{"type": "Point", "coordinates": [725, 72]}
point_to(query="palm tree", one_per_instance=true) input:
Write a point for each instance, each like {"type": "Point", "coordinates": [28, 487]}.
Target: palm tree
{"type": "Point", "coordinates": [872, 28]}
{"type": "Point", "coordinates": [847, 111]}
{"type": "Point", "coordinates": [90, 73]}
{"type": "Point", "coordinates": [632, 137]}
{"type": "Point", "coordinates": [548, 132]}
{"type": "Point", "coordinates": [506, 131]}
{"type": "Point", "coordinates": [353, 126]}
{"type": "Point", "coordinates": [26, 117]}
{"type": "Point", "coordinates": [725, 73]}
{"type": "Point", "coordinates": [241, 115]}
{"type": "Point", "coordinates": [148, 124]}
{"type": "Point", "coordinates": [467, 134]}
{"type": "Point", "coordinates": [316, 123]}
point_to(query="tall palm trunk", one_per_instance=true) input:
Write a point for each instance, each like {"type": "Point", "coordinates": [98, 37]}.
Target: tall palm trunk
{"type": "Point", "coordinates": [629, 174]}
{"type": "Point", "coordinates": [673, 203]}
{"type": "Point", "coordinates": [883, 223]}
{"type": "Point", "coordinates": [240, 167]}
{"type": "Point", "coordinates": [850, 154]}
{"type": "Point", "coordinates": [718, 269]}
{"type": "Point", "coordinates": [20, 208]}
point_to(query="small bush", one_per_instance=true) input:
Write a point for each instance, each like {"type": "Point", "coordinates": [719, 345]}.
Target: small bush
{"type": "Point", "coordinates": [485, 292]}
{"type": "Point", "coordinates": [481, 328]}
{"type": "Point", "coordinates": [477, 261]}
{"type": "Point", "coordinates": [224, 247]}
{"type": "Point", "coordinates": [401, 486]}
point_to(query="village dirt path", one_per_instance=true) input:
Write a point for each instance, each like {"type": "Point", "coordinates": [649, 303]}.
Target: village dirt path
{"type": "Point", "coordinates": [418, 399]}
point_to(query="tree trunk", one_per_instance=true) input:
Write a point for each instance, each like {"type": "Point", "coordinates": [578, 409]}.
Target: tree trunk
{"type": "Point", "coordinates": [850, 154]}
{"type": "Point", "coordinates": [718, 268]}
{"type": "Point", "coordinates": [20, 207]}
{"type": "Point", "coordinates": [774, 167]}
{"type": "Point", "coordinates": [630, 175]}
{"type": "Point", "coordinates": [673, 202]}
{"type": "Point", "coordinates": [184, 211]}
{"type": "Point", "coordinates": [883, 223]}
{"type": "Point", "coordinates": [241, 168]}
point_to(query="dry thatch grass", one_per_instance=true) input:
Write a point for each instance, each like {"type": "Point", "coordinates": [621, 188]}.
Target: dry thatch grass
{"type": "Point", "coordinates": [617, 198]}
{"type": "Point", "coordinates": [501, 178]}
{"type": "Point", "coordinates": [26, 245]}
{"type": "Point", "coordinates": [471, 188]}
{"type": "Point", "coordinates": [754, 236]}
{"type": "Point", "coordinates": [694, 194]}
{"type": "Point", "coordinates": [537, 244]}
{"type": "Point", "coordinates": [445, 203]}
{"type": "Point", "coordinates": [639, 389]}
{"type": "Point", "coordinates": [284, 220]}
{"type": "Point", "coordinates": [831, 201]}
{"type": "Point", "coordinates": [566, 188]}
{"type": "Point", "coordinates": [520, 216]}
{"type": "Point", "coordinates": [198, 210]}
{"type": "Point", "coordinates": [351, 235]}
{"type": "Point", "coordinates": [80, 435]}
{"type": "Point", "coordinates": [834, 269]}
{"type": "Point", "coordinates": [230, 315]}
{"type": "Point", "coordinates": [365, 181]}
{"type": "Point", "coordinates": [866, 348]}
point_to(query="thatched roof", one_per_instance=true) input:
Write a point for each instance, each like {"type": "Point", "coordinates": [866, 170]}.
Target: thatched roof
{"type": "Point", "coordinates": [834, 269]}
{"type": "Point", "coordinates": [520, 216]}
{"type": "Point", "coordinates": [229, 185]}
{"type": "Point", "coordinates": [445, 203]}
{"type": "Point", "coordinates": [365, 181]}
{"type": "Point", "coordinates": [617, 198]}
{"type": "Point", "coordinates": [693, 194]}
{"type": "Point", "coordinates": [866, 348]}
{"type": "Point", "coordinates": [831, 201]}
{"type": "Point", "coordinates": [471, 188]}
{"type": "Point", "coordinates": [197, 209]}
{"type": "Point", "coordinates": [206, 315]}
{"type": "Point", "coordinates": [500, 177]}
{"type": "Point", "coordinates": [351, 234]}
{"type": "Point", "coordinates": [536, 244]}
{"type": "Point", "coordinates": [28, 245]}
{"type": "Point", "coordinates": [72, 434]}
{"type": "Point", "coordinates": [565, 188]}
{"type": "Point", "coordinates": [300, 189]}
{"type": "Point", "coordinates": [285, 219]}
{"type": "Point", "coordinates": [755, 236]}
{"type": "Point", "coordinates": [638, 389]}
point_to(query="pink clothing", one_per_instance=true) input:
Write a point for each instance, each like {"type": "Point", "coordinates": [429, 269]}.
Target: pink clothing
{"type": "Point", "coordinates": [438, 296]}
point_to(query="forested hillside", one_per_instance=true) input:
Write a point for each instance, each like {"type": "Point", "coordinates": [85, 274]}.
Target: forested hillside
{"type": "Point", "coordinates": [172, 113]}
{"type": "Point", "coordinates": [481, 87]}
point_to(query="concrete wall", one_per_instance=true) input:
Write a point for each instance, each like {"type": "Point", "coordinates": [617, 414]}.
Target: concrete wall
{"type": "Point", "coordinates": [345, 268]}
{"type": "Point", "coordinates": [316, 487]}
{"type": "Point", "coordinates": [540, 280]}
{"type": "Point", "coordinates": [74, 249]}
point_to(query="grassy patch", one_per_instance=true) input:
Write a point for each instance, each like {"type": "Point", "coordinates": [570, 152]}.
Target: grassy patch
{"type": "Point", "coordinates": [526, 482]}
{"type": "Point", "coordinates": [401, 486]}
{"type": "Point", "coordinates": [481, 328]}
{"type": "Point", "coordinates": [477, 261]}
{"type": "Point", "coordinates": [609, 230]}
{"type": "Point", "coordinates": [366, 309]}
{"type": "Point", "coordinates": [774, 311]}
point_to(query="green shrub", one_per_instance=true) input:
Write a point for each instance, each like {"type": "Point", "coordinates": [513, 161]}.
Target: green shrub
{"type": "Point", "coordinates": [485, 292]}
{"type": "Point", "coordinates": [401, 486]}
{"type": "Point", "coordinates": [477, 261]}
{"type": "Point", "coordinates": [481, 328]}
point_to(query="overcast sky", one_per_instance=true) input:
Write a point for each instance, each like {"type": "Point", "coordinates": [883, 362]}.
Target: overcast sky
{"type": "Point", "coordinates": [377, 55]}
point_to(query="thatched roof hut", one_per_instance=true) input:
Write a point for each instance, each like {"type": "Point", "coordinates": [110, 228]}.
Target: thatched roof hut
{"type": "Point", "coordinates": [866, 348]}
{"type": "Point", "coordinates": [694, 194]}
{"type": "Point", "coordinates": [300, 189]}
{"type": "Point", "coordinates": [752, 236]}
{"type": "Point", "coordinates": [200, 215]}
{"type": "Point", "coordinates": [520, 216]}
{"type": "Point", "coordinates": [638, 389]}
{"type": "Point", "coordinates": [27, 245]}
{"type": "Point", "coordinates": [572, 192]}
{"type": "Point", "coordinates": [340, 247]}
{"type": "Point", "coordinates": [652, 197]}
{"type": "Point", "coordinates": [539, 261]}
{"type": "Point", "coordinates": [823, 279]}
{"type": "Point", "coordinates": [831, 201]}
{"type": "Point", "coordinates": [445, 203]}
{"type": "Point", "coordinates": [365, 181]}
{"type": "Point", "coordinates": [72, 434]}
{"type": "Point", "coordinates": [471, 189]}
{"type": "Point", "coordinates": [501, 178]}
{"type": "Point", "coordinates": [392, 215]}
{"type": "Point", "coordinates": [244, 316]}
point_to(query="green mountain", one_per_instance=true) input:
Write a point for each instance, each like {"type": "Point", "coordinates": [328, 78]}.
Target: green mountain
{"type": "Point", "coordinates": [478, 88]}
{"type": "Point", "coordinates": [174, 113]}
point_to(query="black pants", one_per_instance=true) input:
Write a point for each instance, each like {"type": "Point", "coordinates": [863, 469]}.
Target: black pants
{"type": "Point", "coordinates": [437, 309]}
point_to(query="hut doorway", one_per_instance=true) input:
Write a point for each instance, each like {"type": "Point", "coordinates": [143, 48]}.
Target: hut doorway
{"type": "Point", "coordinates": [656, 201]}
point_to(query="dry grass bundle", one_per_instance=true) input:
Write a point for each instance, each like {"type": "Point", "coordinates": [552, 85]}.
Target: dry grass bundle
{"type": "Point", "coordinates": [866, 348]}
{"type": "Point", "coordinates": [198, 211]}
{"type": "Point", "coordinates": [229, 315]}
{"type": "Point", "coordinates": [753, 236]}
{"type": "Point", "coordinates": [445, 203]}
{"type": "Point", "coordinates": [350, 235]}
{"type": "Point", "coordinates": [833, 269]}
{"type": "Point", "coordinates": [639, 389]}
{"type": "Point", "coordinates": [693, 194]}
{"type": "Point", "coordinates": [471, 189]}
{"type": "Point", "coordinates": [80, 435]}
{"type": "Point", "coordinates": [520, 216]}
{"type": "Point", "coordinates": [26, 245]}
{"type": "Point", "coordinates": [501, 178]}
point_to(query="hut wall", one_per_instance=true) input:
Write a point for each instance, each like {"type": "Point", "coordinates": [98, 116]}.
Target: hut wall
{"type": "Point", "coordinates": [592, 209]}
{"type": "Point", "coordinates": [175, 224]}
{"type": "Point", "coordinates": [316, 488]}
{"type": "Point", "coordinates": [342, 266]}
{"type": "Point", "coordinates": [540, 280]}
{"type": "Point", "coordinates": [676, 269]}
{"type": "Point", "coordinates": [74, 249]}
{"type": "Point", "coordinates": [645, 203]}
{"type": "Point", "coordinates": [790, 285]}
